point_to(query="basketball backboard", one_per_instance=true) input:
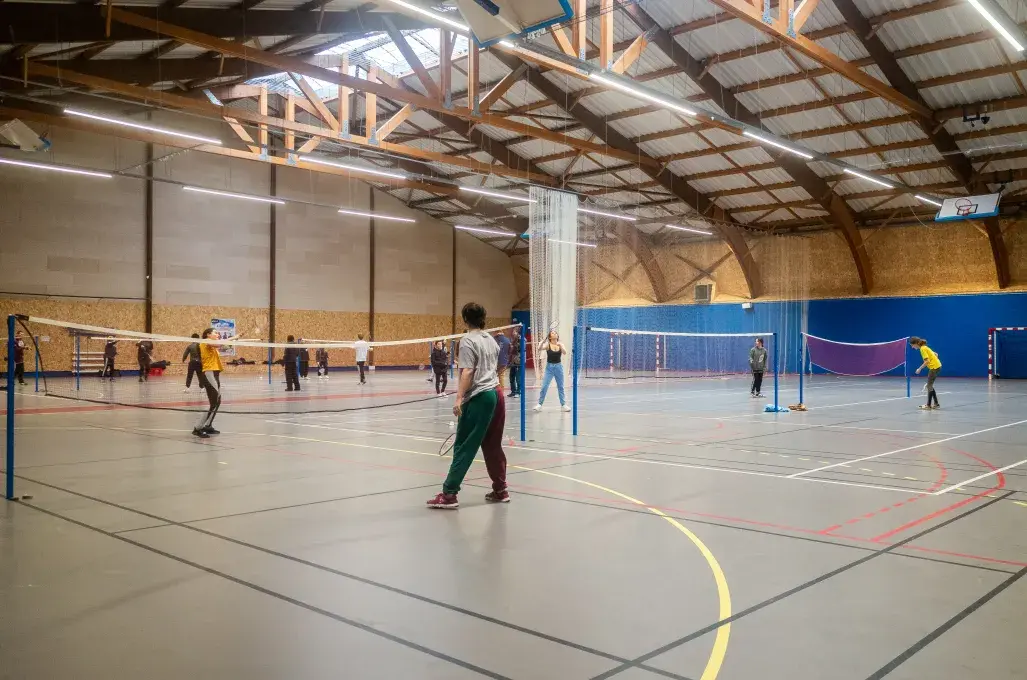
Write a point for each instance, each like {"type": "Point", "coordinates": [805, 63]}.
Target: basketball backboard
{"type": "Point", "coordinates": [495, 20]}
{"type": "Point", "coordinates": [968, 208]}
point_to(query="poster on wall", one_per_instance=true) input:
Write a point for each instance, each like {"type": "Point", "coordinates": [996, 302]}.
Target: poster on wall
{"type": "Point", "coordinates": [224, 329]}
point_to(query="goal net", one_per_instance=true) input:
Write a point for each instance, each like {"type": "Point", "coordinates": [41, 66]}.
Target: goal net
{"type": "Point", "coordinates": [1007, 352]}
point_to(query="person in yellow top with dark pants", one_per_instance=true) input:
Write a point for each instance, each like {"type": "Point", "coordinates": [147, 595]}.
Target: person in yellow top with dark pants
{"type": "Point", "coordinates": [210, 380]}
{"type": "Point", "coordinates": [933, 365]}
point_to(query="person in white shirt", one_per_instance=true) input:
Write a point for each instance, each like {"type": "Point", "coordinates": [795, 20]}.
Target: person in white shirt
{"type": "Point", "coordinates": [362, 348]}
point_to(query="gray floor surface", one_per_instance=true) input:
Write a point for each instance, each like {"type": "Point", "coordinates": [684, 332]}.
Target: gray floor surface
{"type": "Point", "coordinates": [684, 533]}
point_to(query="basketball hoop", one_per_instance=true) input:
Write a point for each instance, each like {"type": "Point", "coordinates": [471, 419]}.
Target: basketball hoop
{"type": "Point", "coordinates": [965, 207]}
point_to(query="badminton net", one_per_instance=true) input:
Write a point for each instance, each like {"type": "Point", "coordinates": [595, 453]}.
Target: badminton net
{"type": "Point", "coordinates": [72, 366]}
{"type": "Point", "coordinates": [627, 354]}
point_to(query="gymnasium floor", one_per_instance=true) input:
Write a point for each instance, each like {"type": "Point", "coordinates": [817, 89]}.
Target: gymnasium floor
{"type": "Point", "coordinates": [683, 534]}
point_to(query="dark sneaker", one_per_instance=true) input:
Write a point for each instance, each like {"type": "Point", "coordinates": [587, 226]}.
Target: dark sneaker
{"type": "Point", "coordinates": [211, 430]}
{"type": "Point", "coordinates": [200, 433]}
{"type": "Point", "coordinates": [444, 501]}
{"type": "Point", "coordinates": [498, 496]}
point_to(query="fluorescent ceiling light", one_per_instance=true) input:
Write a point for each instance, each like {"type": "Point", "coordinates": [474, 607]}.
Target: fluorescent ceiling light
{"type": "Point", "coordinates": [432, 15]}
{"type": "Point", "coordinates": [140, 126]}
{"type": "Point", "coordinates": [573, 243]}
{"type": "Point", "coordinates": [777, 144]}
{"type": "Point", "coordinates": [377, 216]}
{"type": "Point", "coordinates": [926, 200]}
{"type": "Point", "coordinates": [641, 94]}
{"type": "Point", "coordinates": [588, 211]}
{"type": "Point", "coordinates": [868, 178]}
{"type": "Point", "coordinates": [55, 168]}
{"type": "Point", "coordinates": [352, 168]}
{"type": "Point", "coordinates": [497, 232]}
{"type": "Point", "coordinates": [229, 194]}
{"type": "Point", "coordinates": [690, 229]}
{"type": "Point", "coordinates": [497, 194]}
{"type": "Point", "coordinates": [997, 25]}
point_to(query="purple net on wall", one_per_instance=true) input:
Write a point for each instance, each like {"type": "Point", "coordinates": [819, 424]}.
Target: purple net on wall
{"type": "Point", "coordinates": [846, 358]}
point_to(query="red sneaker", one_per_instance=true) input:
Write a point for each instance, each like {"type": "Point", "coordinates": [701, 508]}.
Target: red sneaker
{"type": "Point", "coordinates": [497, 496]}
{"type": "Point", "coordinates": [444, 501]}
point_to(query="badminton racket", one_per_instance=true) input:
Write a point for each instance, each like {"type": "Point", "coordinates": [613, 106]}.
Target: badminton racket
{"type": "Point", "coordinates": [447, 444]}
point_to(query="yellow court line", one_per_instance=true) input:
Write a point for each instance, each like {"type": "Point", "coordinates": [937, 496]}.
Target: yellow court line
{"type": "Point", "coordinates": [720, 642]}
{"type": "Point", "coordinates": [1021, 503]}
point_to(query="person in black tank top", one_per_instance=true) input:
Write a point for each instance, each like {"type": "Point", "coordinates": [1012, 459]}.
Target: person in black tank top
{"type": "Point", "coordinates": [554, 350]}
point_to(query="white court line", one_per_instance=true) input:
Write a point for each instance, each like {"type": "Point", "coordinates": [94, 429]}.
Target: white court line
{"type": "Point", "coordinates": [908, 448]}
{"type": "Point", "coordinates": [986, 474]}
{"type": "Point", "coordinates": [857, 403]}
{"type": "Point", "coordinates": [346, 429]}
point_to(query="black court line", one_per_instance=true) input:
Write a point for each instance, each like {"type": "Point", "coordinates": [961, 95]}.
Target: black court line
{"type": "Point", "coordinates": [320, 567]}
{"type": "Point", "coordinates": [788, 593]}
{"type": "Point", "coordinates": [945, 627]}
{"type": "Point", "coordinates": [280, 596]}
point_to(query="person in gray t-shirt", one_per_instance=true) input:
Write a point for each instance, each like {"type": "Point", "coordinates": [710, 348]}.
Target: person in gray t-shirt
{"type": "Point", "coordinates": [480, 411]}
{"type": "Point", "coordinates": [758, 364]}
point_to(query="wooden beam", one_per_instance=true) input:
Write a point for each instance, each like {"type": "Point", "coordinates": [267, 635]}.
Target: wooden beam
{"type": "Point", "coordinates": [344, 95]}
{"type": "Point", "coordinates": [803, 14]}
{"type": "Point", "coordinates": [262, 110]}
{"type": "Point", "coordinates": [238, 129]}
{"type": "Point", "coordinates": [315, 101]}
{"type": "Point", "coordinates": [397, 119]}
{"type": "Point", "coordinates": [606, 34]}
{"type": "Point", "coordinates": [371, 108]}
{"type": "Point", "coordinates": [473, 78]}
{"type": "Point", "coordinates": [754, 17]}
{"type": "Point", "coordinates": [563, 41]}
{"type": "Point", "coordinates": [446, 65]}
{"type": "Point", "coordinates": [579, 29]}
{"type": "Point", "coordinates": [630, 55]}
{"type": "Point", "coordinates": [168, 99]}
{"type": "Point", "coordinates": [501, 88]}
{"type": "Point", "coordinates": [294, 64]}
{"type": "Point", "coordinates": [411, 58]}
{"type": "Point", "coordinates": [290, 115]}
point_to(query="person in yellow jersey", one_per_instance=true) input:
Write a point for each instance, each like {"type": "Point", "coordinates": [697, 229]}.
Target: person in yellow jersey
{"type": "Point", "coordinates": [933, 365]}
{"type": "Point", "coordinates": [210, 380]}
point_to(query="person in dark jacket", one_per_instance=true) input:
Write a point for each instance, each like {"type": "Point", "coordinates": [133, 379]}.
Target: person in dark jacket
{"type": "Point", "coordinates": [290, 360]}
{"type": "Point", "coordinates": [192, 355]}
{"type": "Point", "coordinates": [515, 364]}
{"type": "Point", "coordinates": [110, 351]}
{"type": "Point", "coordinates": [440, 365]}
{"type": "Point", "coordinates": [758, 364]}
{"type": "Point", "coordinates": [304, 361]}
{"type": "Point", "coordinates": [144, 355]}
{"type": "Point", "coordinates": [19, 358]}
{"type": "Point", "coordinates": [321, 357]}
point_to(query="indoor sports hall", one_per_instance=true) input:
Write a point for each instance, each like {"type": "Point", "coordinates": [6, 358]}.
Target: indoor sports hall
{"type": "Point", "coordinates": [534, 339]}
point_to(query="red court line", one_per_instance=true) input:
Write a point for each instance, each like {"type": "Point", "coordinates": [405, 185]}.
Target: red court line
{"type": "Point", "coordinates": [934, 551]}
{"type": "Point", "coordinates": [66, 409]}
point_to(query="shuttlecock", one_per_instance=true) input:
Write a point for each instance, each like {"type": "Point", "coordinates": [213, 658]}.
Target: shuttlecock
{"type": "Point", "coordinates": [452, 425]}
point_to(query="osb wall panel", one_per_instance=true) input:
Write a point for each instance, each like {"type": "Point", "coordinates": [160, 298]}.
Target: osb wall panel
{"type": "Point", "coordinates": [323, 256]}
{"type": "Point", "coordinates": [414, 262]}
{"type": "Point", "coordinates": [484, 275]}
{"type": "Point", "coordinates": [73, 235]}
{"type": "Point", "coordinates": [184, 320]}
{"type": "Point", "coordinates": [322, 325]}
{"type": "Point", "coordinates": [940, 258]}
{"type": "Point", "coordinates": [1015, 235]}
{"type": "Point", "coordinates": [522, 281]}
{"type": "Point", "coordinates": [57, 354]}
{"type": "Point", "coordinates": [403, 327]}
{"type": "Point", "coordinates": [677, 262]}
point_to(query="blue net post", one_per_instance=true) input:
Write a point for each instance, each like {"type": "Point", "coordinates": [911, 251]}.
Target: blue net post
{"type": "Point", "coordinates": [35, 346]}
{"type": "Point", "coordinates": [909, 378]}
{"type": "Point", "coordinates": [777, 370]}
{"type": "Point", "coordinates": [10, 408]}
{"type": "Point", "coordinates": [802, 367]}
{"type": "Point", "coordinates": [270, 359]}
{"type": "Point", "coordinates": [576, 349]}
{"type": "Point", "coordinates": [78, 360]}
{"type": "Point", "coordinates": [520, 384]}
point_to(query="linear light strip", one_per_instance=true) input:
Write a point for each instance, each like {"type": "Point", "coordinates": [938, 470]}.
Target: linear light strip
{"type": "Point", "coordinates": [479, 230]}
{"type": "Point", "coordinates": [432, 15]}
{"type": "Point", "coordinates": [377, 216]}
{"type": "Point", "coordinates": [868, 178]}
{"type": "Point", "coordinates": [997, 25]}
{"type": "Point", "coordinates": [55, 168]}
{"type": "Point", "coordinates": [497, 194]}
{"type": "Point", "coordinates": [690, 229]}
{"type": "Point", "coordinates": [352, 168]}
{"type": "Point", "coordinates": [573, 243]}
{"type": "Point", "coordinates": [140, 126]}
{"type": "Point", "coordinates": [779, 145]}
{"type": "Point", "coordinates": [925, 199]}
{"type": "Point", "coordinates": [641, 94]}
{"type": "Point", "coordinates": [229, 194]}
{"type": "Point", "coordinates": [589, 211]}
